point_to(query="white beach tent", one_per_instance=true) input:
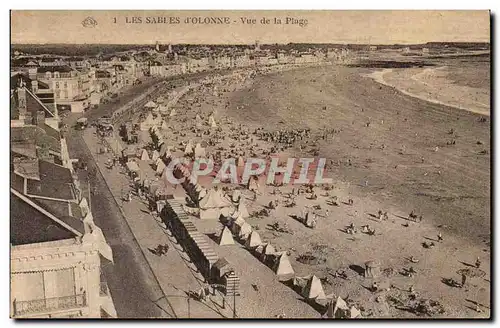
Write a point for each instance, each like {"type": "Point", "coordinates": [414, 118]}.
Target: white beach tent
{"type": "Point", "coordinates": [150, 104]}
{"type": "Point", "coordinates": [245, 231]}
{"type": "Point", "coordinates": [253, 240]}
{"type": "Point", "coordinates": [226, 238]}
{"type": "Point", "coordinates": [241, 210]}
{"type": "Point", "coordinates": [144, 155]}
{"type": "Point", "coordinates": [283, 267]}
{"type": "Point", "coordinates": [314, 289]}
{"type": "Point", "coordinates": [199, 151]}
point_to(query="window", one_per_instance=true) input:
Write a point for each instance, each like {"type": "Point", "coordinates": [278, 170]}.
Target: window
{"type": "Point", "coordinates": [65, 93]}
{"type": "Point", "coordinates": [58, 93]}
{"type": "Point", "coordinates": [65, 85]}
{"type": "Point", "coordinates": [32, 279]}
{"type": "Point", "coordinates": [48, 75]}
{"type": "Point", "coordinates": [56, 75]}
{"type": "Point", "coordinates": [57, 85]}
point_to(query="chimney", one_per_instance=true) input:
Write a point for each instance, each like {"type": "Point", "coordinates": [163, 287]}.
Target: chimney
{"type": "Point", "coordinates": [39, 118]}
{"type": "Point", "coordinates": [21, 101]}
{"type": "Point", "coordinates": [34, 86]}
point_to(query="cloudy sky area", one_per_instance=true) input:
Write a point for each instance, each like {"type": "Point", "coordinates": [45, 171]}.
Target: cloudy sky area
{"type": "Point", "coordinates": [367, 27]}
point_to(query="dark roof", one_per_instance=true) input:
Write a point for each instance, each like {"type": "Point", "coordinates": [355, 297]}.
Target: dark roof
{"type": "Point", "coordinates": [29, 224]}
{"type": "Point", "coordinates": [61, 210]}
{"type": "Point", "coordinates": [102, 74]}
{"type": "Point", "coordinates": [26, 167]}
{"type": "Point", "coordinates": [16, 78]}
{"type": "Point", "coordinates": [19, 62]}
{"type": "Point", "coordinates": [34, 104]}
{"type": "Point", "coordinates": [60, 69]}
{"type": "Point", "coordinates": [49, 59]}
{"type": "Point", "coordinates": [36, 133]}
{"type": "Point", "coordinates": [55, 182]}
{"type": "Point", "coordinates": [26, 149]}
{"type": "Point", "coordinates": [16, 181]}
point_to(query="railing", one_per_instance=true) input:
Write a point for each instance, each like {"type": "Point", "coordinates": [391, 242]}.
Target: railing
{"type": "Point", "coordinates": [49, 304]}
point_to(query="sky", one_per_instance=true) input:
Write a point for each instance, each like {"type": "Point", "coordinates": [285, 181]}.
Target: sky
{"type": "Point", "coordinates": [365, 27]}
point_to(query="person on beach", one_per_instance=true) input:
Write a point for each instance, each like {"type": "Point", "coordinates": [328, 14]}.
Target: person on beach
{"type": "Point", "coordinates": [464, 279]}
{"type": "Point", "coordinates": [440, 237]}
{"type": "Point", "coordinates": [478, 262]}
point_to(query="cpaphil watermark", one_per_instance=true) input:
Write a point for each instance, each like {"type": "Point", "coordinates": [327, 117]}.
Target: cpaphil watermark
{"type": "Point", "coordinates": [275, 171]}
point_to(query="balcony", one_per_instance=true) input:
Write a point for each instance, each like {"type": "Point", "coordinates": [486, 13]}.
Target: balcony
{"type": "Point", "coordinates": [47, 305]}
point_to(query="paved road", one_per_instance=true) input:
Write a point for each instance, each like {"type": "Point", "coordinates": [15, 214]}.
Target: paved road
{"type": "Point", "coordinates": [133, 285]}
{"type": "Point", "coordinates": [134, 288]}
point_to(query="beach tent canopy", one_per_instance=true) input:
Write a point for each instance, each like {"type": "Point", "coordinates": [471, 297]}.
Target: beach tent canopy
{"type": "Point", "coordinates": [160, 166]}
{"type": "Point", "coordinates": [245, 231]}
{"type": "Point", "coordinates": [211, 122]}
{"type": "Point", "coordinates": [189, 148]}
{"type": "Point", "coordinates": [199, 151]}
{"type": "Point", "coordinates": [337, 309]}
{"type": "Point", "coordinates": [241, 211]}
{"type": "Point", "coordinates": [314, 289]}
{"type": "Point", "coordinates": [226, 238]}
{"type": "Point", "coordinates": [269, 250]}
{"type": "Point", "coordinates": [214, 199]}
{"type": "Point", "coordinates": [354, 313]}
{"type": "Point", "coordinates": [144, 155]}
{"type": "Point", "coordinates": [282, 266]}
{"type": "Point", "coordinates": [236, 225]}
{"type": "Point", "coordinates": [253, 240]}
{"type": "Point", "coordinates": [150, 104]}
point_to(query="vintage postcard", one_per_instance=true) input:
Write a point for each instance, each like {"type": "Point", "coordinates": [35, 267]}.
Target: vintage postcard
{"type": "Point", "coordinates": [250, 164]}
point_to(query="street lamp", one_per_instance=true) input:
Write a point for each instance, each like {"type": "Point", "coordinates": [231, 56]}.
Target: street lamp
{"type": "Point", "coordinates": [234, 293]}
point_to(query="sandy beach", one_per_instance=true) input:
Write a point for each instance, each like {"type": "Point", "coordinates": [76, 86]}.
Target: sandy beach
{"type": "Point", "coordinates": [389, 152]}
{"type": "Point", "coordinates": [450, 187]}
{"type": "Point", "coordinates": [433, 85]}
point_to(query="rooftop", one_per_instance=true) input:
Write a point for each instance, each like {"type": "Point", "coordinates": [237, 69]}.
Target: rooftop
{"type": "Point", "coordinates": [27, 167]}
{"type": "Point", "coordinates": [60, 69]}
{"type": "Point", "coordinates": [35, 133]}
{"type": "Point", "coordinates": [55, 182]}
{"type": "Point", "coordinates": [29, 224]}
